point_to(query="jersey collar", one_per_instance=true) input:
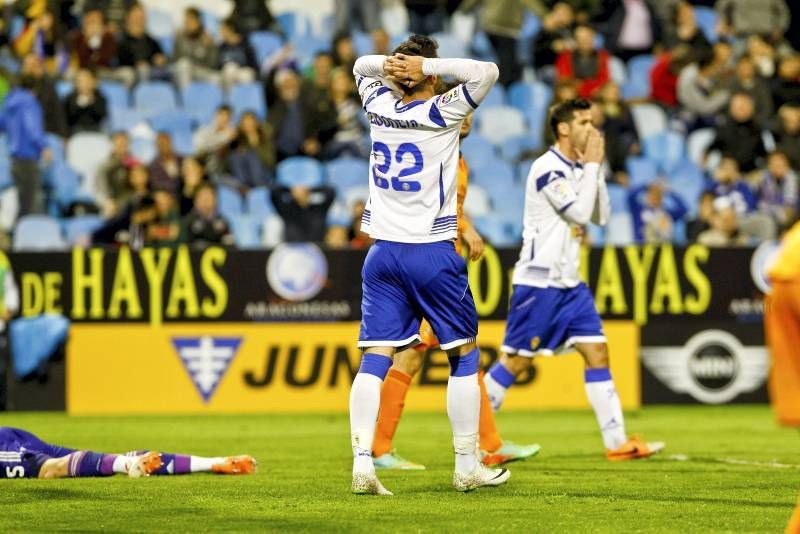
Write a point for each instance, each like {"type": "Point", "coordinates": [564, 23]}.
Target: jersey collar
{"type": "Point", "coordinates": [405, 107]}
{"type": "Point", "coordinates": [562, 157]}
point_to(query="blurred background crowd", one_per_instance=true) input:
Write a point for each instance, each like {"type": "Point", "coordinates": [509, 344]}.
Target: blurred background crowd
{"type": "Point", "coordinates": [236, 121]}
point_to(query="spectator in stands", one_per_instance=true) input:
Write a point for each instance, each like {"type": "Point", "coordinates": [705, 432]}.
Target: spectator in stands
{"type": "Point", "coordinates": [251, 160]}
{"type": "Point", "coordinates": [304, 211]}
{"type": "Point", "coordinates": [318, 77]}
{"type": "Point", "coordinates": [702, 222]}
{"type": "Point", "coordinates": [358, 240]}
{"type": "Point", "coordinates": [140, 56]}
{"type": "Point", "coordinates": [502, 22]}
{"type": "Point", "coordinates": [85, 107]}
{"type": "Point", "coordinates": [165, 169]}
{"type": "Point", "coordinates": [115, 12]}
{"type": "Point", "coordinates": [786, 86]}
{"type": "Point", "coordinates": [743, 18]}
{"type": "Point", "coordinates": [764, 56]}
{"type": "Point", "coordinates": [555, 37]}
{"type": "Point", "coordinates": [564, 90]}
{"type": "Point", "coordinates": [43, 35]}
{"type": "Point", "coordinates": [196, 57]}
{"type": "Point", "coordinates": [55, 120]}
{"type": "Point", "coordinates": [685, 30]}
{"type": "Point", "coordinates": [166, 228]}
{"type": "Point", "coordinates": [738, 135]}
{"type": "Point", "coordinates": [113, 180]}
{"type": "Point", "coordinates": [426, 16]}
{"type": "Point", "coordinates": [777, 191]}
{"type": "Point", "coordinates": [254, 15]}
{"type": "Point", "coordinates": [193, 176]}
{"type": "Point", "coordinates": [786, 133]}
{"type": "Point", "coordinates": [350, 131]}
{"type": "Point", "coordinates": [631, 27]}
{"type": "Point", "coordinates": [585, 64]}
{"type": "Point", "coordinates": [129, 227]}
{"type": "Point", "coordinates": [336, 237]}
{"type": "Point", "coordinates": [748, 82]}
{"type": "Point", "coordinates": [94, 47]}
{"type": "Point", "coordinates": [664, 75]}
{"type": "Point", "coordinates": [21, 120]}
{"type": "Point", "coordinates": [364, 15]}
{"type": "Point", "coordinates": [343, 51]}
{"type": "Point", "coordinates": [236, 56]}
{"type": "Point", "coordinates": [622, 140]}
{"type": "Point", "coordinates": [212, 140]}
{"type": "Point", "coordinates": [301, 122]}
{"type": "Point", "coordinates": [655, 210]}
{"type": "Point", "coordinates": [723, 226]}
{"type": "Point", "coordinates": [204, 225]}
{"type": "Point", "coordinates": [699, 91]}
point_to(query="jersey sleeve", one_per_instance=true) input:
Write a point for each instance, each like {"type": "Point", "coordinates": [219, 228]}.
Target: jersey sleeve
{"type": "Point", "coordinates": [556, 189]}
{"type": "Point", "coordinates": [370, 81]}
{"type": "Point", "coordinates": [477, 77]}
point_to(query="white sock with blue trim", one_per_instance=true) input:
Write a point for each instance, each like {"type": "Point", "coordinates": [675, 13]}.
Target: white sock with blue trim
{"type": "Point", "coordinates": [464, 409]}
{"type": "Point", "coordinates": [603, 397]}
{"type": "Point", "coordinates": [365, 401]}
{"type": "Point", "coordinates": [497, 381]}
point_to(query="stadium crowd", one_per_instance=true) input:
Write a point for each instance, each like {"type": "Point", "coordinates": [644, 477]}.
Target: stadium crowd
{"type": "Point", "coordinates": [126, 125]}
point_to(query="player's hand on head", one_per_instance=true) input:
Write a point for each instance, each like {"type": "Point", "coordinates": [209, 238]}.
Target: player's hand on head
{"type": "Point", "coordinates": [405, 69]}
{"type": "Point", "coordinates": [595, 148]}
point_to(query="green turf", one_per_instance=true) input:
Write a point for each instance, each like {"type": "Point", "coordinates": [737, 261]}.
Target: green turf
{"type": "Point", "coordinates": [303, 479]}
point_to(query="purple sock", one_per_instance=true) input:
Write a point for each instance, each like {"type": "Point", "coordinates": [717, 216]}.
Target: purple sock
{"type": "Point", "coordinates": [174, 464]}
{"type": "Point", "coordinates": [91, 464]}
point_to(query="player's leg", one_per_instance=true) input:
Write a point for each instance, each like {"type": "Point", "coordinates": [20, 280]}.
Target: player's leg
{"type": "Point", "coordinates": [389, 322]}
{"type": "Point", "coordinates": [782, 324]}
{"type": "Point", "coordinates": [80, 464]}
{"type": "Point", "coordinates": [183, 464]}
{"type": "Point", "coordinates": [502, 375]}
{"type": "Point", "coordinates": [393, 397]}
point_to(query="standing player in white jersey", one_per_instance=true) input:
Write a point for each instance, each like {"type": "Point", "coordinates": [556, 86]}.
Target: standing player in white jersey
{"type": "Point", "coordinates": [551, 309]}
{"type": "Point", "coordinates": [413, 271]}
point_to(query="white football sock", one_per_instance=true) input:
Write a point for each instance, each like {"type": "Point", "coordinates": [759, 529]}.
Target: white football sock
{"type": "Point", "coordinates": [602, 395]}
{"type": "Point", "coordinates": [496, 392]}
{"type": "Point", "coordinates": [121, 463]}
{"type": "Point", "coordinates": [199, 464]}
{"type": "Point", "coordinates": [463, 409]}
{"type": "Point", "coordinates": [365, 401]}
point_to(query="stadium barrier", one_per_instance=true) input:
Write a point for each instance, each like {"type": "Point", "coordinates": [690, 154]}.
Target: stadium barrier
{"type": "Point", "coordinates": [698, 312]}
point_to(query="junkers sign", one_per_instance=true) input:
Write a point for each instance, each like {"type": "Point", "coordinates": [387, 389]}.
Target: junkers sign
{"type": "Point", "coordinates": [713, 366]}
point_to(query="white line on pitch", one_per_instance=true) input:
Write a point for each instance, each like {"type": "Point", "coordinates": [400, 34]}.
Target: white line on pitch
{"type": "Point", "coordinates": [732, 461]}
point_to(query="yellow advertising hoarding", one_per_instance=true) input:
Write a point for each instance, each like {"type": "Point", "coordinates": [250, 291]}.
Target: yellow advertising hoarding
{"type": "Point", "coordinates": [241, 367]}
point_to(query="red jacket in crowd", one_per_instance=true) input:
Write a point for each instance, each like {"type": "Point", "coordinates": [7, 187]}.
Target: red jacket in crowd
{"type": "Point", "coordinates": [588, 86]}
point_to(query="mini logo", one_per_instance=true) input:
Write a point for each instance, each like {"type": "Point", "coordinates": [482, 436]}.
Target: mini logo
{"type": "Point", "coordinates": [206, 359]}
{"type": "Point", "coordinates": [297, 271]}
{"type": "Point", "coordinates": [763, 257]}
{"type": "Point", "coordinates": [713, 366]}
{"type": "Point", "coordinates": [535, 343]}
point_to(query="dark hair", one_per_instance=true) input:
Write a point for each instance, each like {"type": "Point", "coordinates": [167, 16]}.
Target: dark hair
{"type": "Point", "coordinates": [565, 111]}
{"type": "Point", "coordinates": [26, 81]}
{"type": "Point", "coordinates": [194, 12]}
{"type": "Point", "coordinates": [778, 153]}
{"type": "Point", "coordinates": [418, 45]}
{"type": "Point", "coordinates": [704, 57]}
{"type": "Point", "coordinates": [226, 108]}
{"type": "Point", "coordinates": [232, 24]}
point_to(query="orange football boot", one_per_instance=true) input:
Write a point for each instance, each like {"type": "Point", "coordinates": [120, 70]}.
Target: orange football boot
{"type": "Point", "coordinates": [236, 465]}
{"type": "Point", "coordinates": [633, 449]}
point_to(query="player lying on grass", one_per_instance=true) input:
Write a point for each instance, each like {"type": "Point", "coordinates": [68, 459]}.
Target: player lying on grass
{"type": "Point", "coordinates": [551, 309]}
{"type": "Point", "coordinates": [413, 272]}
{"type": "Point", "coordinates": [407, 363]}
{"type": "Point", "coordinates": [23, 455]}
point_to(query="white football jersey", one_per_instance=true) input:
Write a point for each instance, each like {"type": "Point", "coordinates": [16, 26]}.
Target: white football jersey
{"type": "Point", "coordinates": [550, 252]}
{"type": "Point", "coordinates": [415, 146]}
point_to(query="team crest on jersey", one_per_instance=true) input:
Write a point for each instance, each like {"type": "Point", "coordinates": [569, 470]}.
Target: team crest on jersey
{"type": "Point", "coordinates": [206, 359]}
{"type": "Point", "coordinates": [449, 97]}
{"type": "Point", "coordinates": [535, 342]}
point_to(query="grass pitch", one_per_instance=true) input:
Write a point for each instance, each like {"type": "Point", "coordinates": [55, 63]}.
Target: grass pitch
{"type": "Point", "coordinates": [738, 473]}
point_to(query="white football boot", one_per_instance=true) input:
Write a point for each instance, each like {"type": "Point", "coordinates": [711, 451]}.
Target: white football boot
{"type": "Point", "coordinates": [368, 484]}
{"type": "Point", "coordinates": [481, 477]}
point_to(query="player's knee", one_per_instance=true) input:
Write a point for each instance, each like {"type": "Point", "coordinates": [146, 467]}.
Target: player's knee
{"type": "Point", "coordinates": [595, 355]}
{"type": "Point", "coordinates": [516, 365]}
{"type": "Point", "coordinates": [465, 360]}
{"type": "Point", "coordinates": [408, 362]}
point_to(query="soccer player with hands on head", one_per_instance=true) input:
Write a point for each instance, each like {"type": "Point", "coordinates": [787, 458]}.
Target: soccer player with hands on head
{"type": "Point", "coordinates": [551, 309]}
{"type": "Point", "coordinates": [413, 271]}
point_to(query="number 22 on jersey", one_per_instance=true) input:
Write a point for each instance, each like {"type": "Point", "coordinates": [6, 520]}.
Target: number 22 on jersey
{"type": "Point", "coordinates": [380, 170]}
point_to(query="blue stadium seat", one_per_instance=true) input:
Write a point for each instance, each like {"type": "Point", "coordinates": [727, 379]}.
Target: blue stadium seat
{"type": "Point", "coordinates": [494, 175]}
{"type": "Point", "coordinates": [356, 194]}
{"type": "Point", "coordinates": [64, 88]}
{"type": "Point", "coordinates": [248, 97]}
{"type": "Point", "coordinates": [697, 144]}
{"type": "Point", "coordinates": [339, 215]}
{"type": "Point", "coordinates": [638, 82]}
{"type": "Point", "coordinates": [619, 73]}
{"type": "Point", "coordinates": [499, 123]}
{"type": "Point", "coordinates": [477, 203]}
{"type": "Point", "coordinates": [618, 196]}
{"type": "Point", "coordinates": [172, 121]}
{"type": "Point", "coordinates": [229, 202]}
{"type": "Point", "coordinates": [649, 119]}
{"type": "Point", "coordinates": [56, 145]}
{"type": "Point", "coordinates": [307, 48]}
{"type": "Point", "coordinates": [477, 150]}
{"type": "Point", "coordinates": [124, 119]}
{"type": "Point", "coordinates": [295, 25]}
{"type": "Point", "coordinates": [154, 97]}
{"type": "Point", "coordinates": [641, 170]}
{"type": "Point", "coordinates": [183, 141]}
{"type": "Point", "coordinates": [706, 18]}
{"type": "Point", "coordinates": [211, 23]}
{"type": "Point", "coordinates": [496, 97]}
{"type": "Point", "coordinates": [363, 43]}
{"type": "Point", "coordinates": [264, 44]}
{"type": "Point", "coordinates": [86, 152]}
{"type": "Point", "coordinates": [78, 227]}
{"type": "Point", "coordinates": [143, 149]}
{"type": "Point", "coordinates": [687, 180]}
{"type": "Point", "coordinates": [246, 230]}
{"type": "Point", "coordinates": [344, 173]}
{"type": "Point", "coordinates": [497, 229]}
{"type": "Point", "coordinates": [159, 23]}
{"type": "Point", "coordinates": [300, 170]}
{"type": "Point", "coordinates": [666, 149]}
{"type": "Point", "coordinates": [259, 203]}
{"type": "Point", "coordinates": [515, 148]}
{"type": "Point", "coordinates": [597, 235]}
{"type": "Point", "coordinates": [482, 47]}
{"type": "Point", "coordinates": [533, 99]}
{"type": "Point", "coordinates": [450, 45]}
{"type": "Point", "coordinates": [116, 94]}
{"type": "Point", "coordinates": [5, 175]}
{"type": "Point", "coordinates": [619, 231]}
{"type": "Point", "coordinates": [201, 99]}
{"type": "Point", "coordinates": [34, 340]}
{"type": "Point", "coordinates": [38, 232]}
{"type": "Point", "coordinates": [531, 25]}
{"type": "Point", "coordinates": [64, 182]}
{"type": "Point", "coordinates": [523, 168]}
{"type": "Point", "coordinates": [167, 44]}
